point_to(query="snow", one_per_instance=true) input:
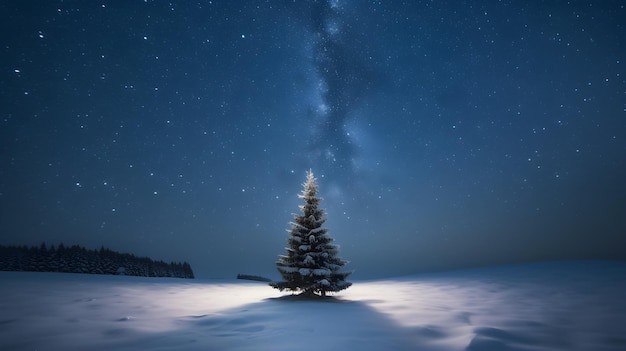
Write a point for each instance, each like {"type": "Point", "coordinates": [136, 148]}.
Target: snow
{"type": "Point", "coordinates": [321, 272]}
{"type": "Point", "coordinates": [317, 230]}
{"type": "Point", "coordinates": [288, 269]}
{"type": "Point", "coordinates": [308, 259]}
{"type": "Point", "coordinates": [576, 305]}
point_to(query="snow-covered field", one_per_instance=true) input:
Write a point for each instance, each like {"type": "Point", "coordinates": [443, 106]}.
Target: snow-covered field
{"type": "Point", "coordinates": [541, 306]}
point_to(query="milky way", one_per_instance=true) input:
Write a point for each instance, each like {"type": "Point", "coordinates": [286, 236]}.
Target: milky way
{"type": "Point", "coordinates": [343, 79]}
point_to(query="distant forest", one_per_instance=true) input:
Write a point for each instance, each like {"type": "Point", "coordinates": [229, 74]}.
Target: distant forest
{"type": "Point", "coordinates": [77, 259]}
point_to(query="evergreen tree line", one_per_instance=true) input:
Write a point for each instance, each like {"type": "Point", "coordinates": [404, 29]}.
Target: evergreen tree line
{"type": "Point", "coordinates": [77, 259]}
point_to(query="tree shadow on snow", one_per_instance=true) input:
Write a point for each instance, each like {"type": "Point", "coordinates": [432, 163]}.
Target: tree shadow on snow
{"type": "Point", "coordinates": [295, 322]}
{"type": "Point", "coordinates": [284, 323]}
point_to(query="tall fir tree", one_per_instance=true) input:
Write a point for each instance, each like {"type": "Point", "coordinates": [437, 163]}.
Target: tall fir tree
{"type": "Point", "coordinates": [311, 264]}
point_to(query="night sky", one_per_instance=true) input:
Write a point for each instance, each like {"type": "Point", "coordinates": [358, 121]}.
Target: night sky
{"type": "Point", "coordinates": [443, 134]}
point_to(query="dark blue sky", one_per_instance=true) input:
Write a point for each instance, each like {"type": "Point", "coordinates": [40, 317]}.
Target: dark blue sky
{"type": "Point", "coordinates": [443, 135]}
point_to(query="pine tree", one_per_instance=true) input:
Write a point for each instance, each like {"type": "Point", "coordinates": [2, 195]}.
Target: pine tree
{"type": "Point", "coordinates": [311, 264]}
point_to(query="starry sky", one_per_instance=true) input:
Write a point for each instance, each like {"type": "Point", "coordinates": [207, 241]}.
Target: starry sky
{"type": "Point", "coordinates": [443, 135]}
